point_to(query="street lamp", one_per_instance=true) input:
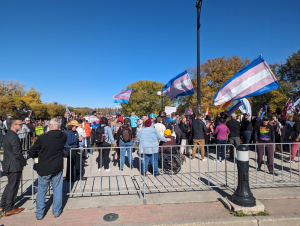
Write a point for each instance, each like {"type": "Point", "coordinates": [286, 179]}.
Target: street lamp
{"type": "Point", "coordinates": [198, 6]}
{"type": "Point", "coordinates": [162, 100]}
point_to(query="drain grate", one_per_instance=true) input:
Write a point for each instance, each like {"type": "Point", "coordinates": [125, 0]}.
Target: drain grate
{"type": "Point", "coordinates": [111, 217]}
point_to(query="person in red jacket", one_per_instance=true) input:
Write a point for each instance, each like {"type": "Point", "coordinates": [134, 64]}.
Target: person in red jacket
{"type": "Point", "coordinates": [167, 145]}
{"type": "Point", "coordinates": [88, 132]}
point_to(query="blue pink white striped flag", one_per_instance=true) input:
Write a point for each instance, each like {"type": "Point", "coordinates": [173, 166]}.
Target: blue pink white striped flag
{"type": "Point", "coordinates": [253, 80]}
{"type": "Point", "coordinates": [179, 86]}
{"type": "Point", "coordinates": [123, 97]}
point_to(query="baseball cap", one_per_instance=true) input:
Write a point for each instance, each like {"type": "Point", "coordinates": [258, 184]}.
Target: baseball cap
{"type": "Point", "coordinates": [265, 118]}
{"type": "Point", "coordinates": [152, 115]}
{"type": "Point", "coordinates": [8, 115]}
{"type": "Point", "coordinates": [27, 119]}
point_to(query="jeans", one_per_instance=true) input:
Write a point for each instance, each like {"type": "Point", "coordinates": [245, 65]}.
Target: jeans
{"type": "Point", "coordinates": [88, 144]}
{"type": "Point", "coordinates": [57, 187]}
{"type": "Point", "coordinates": [153, 158]}
{"type": "Point", "coordinates": [128, 149]}
{"type": "Point", "coordinates": [235, 141]}
{"type": "Point", "coordinates": [246, 136]}
{"type": "Point", "coordinates": [221, 149]}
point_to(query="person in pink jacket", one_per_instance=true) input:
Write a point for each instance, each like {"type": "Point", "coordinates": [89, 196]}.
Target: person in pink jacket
{"type": "Point", "coordinates": [221, 133]}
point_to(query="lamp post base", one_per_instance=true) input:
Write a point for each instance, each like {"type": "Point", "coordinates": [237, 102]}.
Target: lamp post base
{"type": "Point", "coordinates": [244, 201]}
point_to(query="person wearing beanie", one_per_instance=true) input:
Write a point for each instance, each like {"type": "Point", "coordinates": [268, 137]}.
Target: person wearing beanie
{"type": "Point", "coordinates": [149, 137]}
{"type": "Point", "coordinates": [172, 142]}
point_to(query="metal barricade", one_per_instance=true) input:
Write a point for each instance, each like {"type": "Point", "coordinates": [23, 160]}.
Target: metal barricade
{"type": "Point", "coordinates": [191, 171]}
{"type": "Point", "coordinates": [175, 172]}
{"type": "Point", "coordinates": [277, 159]}
{"type": "Point", "coordinates": [111, 181]}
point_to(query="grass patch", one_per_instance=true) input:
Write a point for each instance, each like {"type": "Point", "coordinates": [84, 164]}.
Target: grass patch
{"type": "Point", "coordinates": [239, 214]}
{"type": "Point", "coordinates": [242, 214]}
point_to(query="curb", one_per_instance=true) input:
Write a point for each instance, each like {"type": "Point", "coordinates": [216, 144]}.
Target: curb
{"type": "Point", "coordinates": [291, 219]}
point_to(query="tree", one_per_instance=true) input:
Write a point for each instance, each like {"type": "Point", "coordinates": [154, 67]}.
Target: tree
{"type": "Point", "coordinates": [40, 110]}
{"type": "Point", "coordinates": [289, 73]}
{"type": "Point", "coordinates": [10, 88]}
{"type": "Point", "coordinates": [144, 98]}
{"type": "Point", "coordinates": [32, 96]}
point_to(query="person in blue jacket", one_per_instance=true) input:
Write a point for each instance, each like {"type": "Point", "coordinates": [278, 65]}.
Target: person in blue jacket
{"type": "Point", "coordinates": [133, 122]}
{"type": "Point", "coordinates": [73, 140]}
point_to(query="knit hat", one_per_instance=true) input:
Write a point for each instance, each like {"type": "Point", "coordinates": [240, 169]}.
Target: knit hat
{"type": "Point", "coordinates": [120, 119]}
{"type": "Point", "coordinates": [168, 132]}
{"type": "Point", "coordinates": [148, 123]}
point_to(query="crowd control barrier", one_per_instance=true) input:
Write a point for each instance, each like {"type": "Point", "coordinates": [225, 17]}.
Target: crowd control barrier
{"type": "Point", "coordinates": [178, 170]}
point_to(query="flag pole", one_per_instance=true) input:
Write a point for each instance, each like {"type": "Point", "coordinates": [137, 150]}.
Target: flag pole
{"type": "Point", "coordinates": [198, 6]}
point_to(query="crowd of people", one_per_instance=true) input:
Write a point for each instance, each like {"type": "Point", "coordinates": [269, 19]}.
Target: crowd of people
{"type": "Point", "coordinates": [73, 137]}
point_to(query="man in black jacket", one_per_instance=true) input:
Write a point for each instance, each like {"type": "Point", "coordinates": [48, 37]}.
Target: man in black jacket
{"type": "Point", "coordinates": [48, 148]}
{"type": "Point", "coordinates": [64, 122]}
{"type": "Point", "coordinates": [184, 126]}
{"type": "Point", "coordinates": [246, 129]}
{"type": "Point", "coordinates": [198, 130]}
{"type": "Point", "coordinates": [13, 163]}
{"type": "Point", "coordinates": [234, 136]}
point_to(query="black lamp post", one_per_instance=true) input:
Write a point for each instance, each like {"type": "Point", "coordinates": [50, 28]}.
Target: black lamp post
{"type": "Point", "coordinates": [242, 195]}
{"type": "Point", "coordinates": [198, 6]}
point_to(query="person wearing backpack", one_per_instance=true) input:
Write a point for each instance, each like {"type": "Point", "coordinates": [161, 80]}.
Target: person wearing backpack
{"type": "Point", "coordinates": [125, 137]}
{"type": "Point", "coordinates": [104, 139]}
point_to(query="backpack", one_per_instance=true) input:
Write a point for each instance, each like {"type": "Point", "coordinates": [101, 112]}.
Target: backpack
{"type": "Point", "coordinates": [177, 132]}
{"type": "Point", "coordinates": [100, 134]}
{"type": "Point", "coordinates": [126, 134]}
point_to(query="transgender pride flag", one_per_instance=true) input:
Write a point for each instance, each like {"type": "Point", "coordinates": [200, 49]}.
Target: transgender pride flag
{"type": "Point", "coordinates": [122, 97]}
{"type": "Point", "coordinates": [253, 80]}
{"type": "Point", "coordinates": [179, 86]}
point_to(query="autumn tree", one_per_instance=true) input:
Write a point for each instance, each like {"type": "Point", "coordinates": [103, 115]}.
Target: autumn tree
{"type": "Point", "coordinates": [32, 96]}
{"type": "Point", "coordinates": [289, 73]}
{"type": "Point", "coordinates": [144, 98]}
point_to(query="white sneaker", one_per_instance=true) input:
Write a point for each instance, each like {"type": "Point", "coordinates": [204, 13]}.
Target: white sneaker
{"type": "Point", "coordinates": [107, 170]}
{"type": "Point", "coordinates": [216, 160]}
{"type": "Point", "coordinates": [99, 169]}
{"type": "Point", "coordinates": [222, 161]}
{"type": "Point", "coordinates": [204, 159]}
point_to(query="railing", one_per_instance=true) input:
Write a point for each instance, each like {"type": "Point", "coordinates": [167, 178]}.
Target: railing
{"type": "Point", "coordinates": [104, 154]}
{"type": "Point", "coordinates": [176, 173]}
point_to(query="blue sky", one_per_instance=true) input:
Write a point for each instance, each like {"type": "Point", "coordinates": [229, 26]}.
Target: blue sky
{"type": "Point", "coordinates": [81, 53]}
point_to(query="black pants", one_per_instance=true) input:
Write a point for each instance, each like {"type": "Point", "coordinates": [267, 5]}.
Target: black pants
{"type": "Point", "coordinates": [93, 136]}
{"type": "Point", "coordinates": [74, 161]}
{"type": "Point", "coordinates": [10, 191]}
{"type": "Point", "coordinates": [104, 154]}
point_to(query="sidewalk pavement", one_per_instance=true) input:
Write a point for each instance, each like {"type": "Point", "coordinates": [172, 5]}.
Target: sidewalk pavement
{"type": "Point", "coordinates": [282, 212]}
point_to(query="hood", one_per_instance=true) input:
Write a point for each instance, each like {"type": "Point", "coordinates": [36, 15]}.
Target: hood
{"type": "Point", "coordinates": [56, 133]}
